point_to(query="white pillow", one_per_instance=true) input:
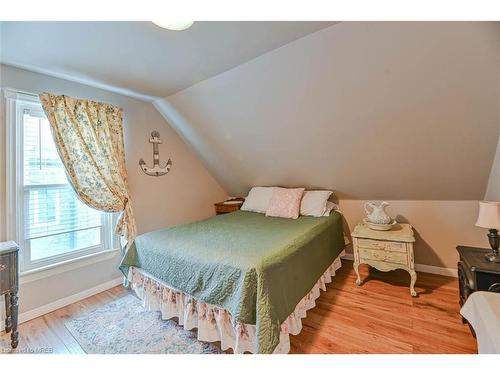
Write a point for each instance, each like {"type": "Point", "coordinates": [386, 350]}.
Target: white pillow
{"type": "Point", "coordinates": [257, 199]}
{"type": "Point", "coordinates": [329, 207]}
{"type": "Point", "coordinates": [314, 202]}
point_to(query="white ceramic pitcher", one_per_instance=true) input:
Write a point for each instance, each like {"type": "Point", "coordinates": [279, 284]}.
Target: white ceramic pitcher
{"type": "Point", "coordinates": [377, 215]}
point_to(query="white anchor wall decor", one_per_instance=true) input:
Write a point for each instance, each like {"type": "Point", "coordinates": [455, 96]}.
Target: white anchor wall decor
{"type": "Point", "coordinates": [155, 170]}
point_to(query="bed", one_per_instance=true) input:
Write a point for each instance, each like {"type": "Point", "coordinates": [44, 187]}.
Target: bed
{"type": "Point", "coordinates": [241, 278]}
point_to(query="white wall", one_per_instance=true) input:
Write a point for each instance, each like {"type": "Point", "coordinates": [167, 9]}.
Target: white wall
{"type": "Point", "coordinates": [187, 193]}
{"type": "Point", "coordinates": [374, 110]}
{"type": "Point", "coordinates": [493, 190]}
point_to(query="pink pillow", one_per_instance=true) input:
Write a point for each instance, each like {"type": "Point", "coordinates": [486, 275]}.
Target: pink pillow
{"type": "Point", "coordinates": [285, 203]}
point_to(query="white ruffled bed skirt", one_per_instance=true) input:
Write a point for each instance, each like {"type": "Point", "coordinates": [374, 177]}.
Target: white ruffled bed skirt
{"type": "Point", "coordinates": [215, 323]}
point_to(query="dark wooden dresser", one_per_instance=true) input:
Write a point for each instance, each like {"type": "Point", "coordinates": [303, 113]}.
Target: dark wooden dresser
{"type": "Point", "coordinates": [9, 286]}
{"type": "Point", "coordinates": [476, 273]}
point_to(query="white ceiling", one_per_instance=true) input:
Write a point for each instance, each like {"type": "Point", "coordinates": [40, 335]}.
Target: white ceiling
{"type": "Point", "coordinates": [139, 58]}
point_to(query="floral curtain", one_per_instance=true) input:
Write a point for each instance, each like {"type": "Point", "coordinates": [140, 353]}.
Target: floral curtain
{"type": "Point", "coordinates": [89, 138]}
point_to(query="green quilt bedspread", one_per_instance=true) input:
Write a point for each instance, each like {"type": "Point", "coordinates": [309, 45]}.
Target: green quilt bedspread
{"type": "Point", "coordinates": [256, 267]}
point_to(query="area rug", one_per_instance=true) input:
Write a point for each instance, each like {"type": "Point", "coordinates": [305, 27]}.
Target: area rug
{"type": "Point", "coordinates": [125, 327]}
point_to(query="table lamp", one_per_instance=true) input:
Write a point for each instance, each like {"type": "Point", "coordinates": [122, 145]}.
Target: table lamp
{"type": "Point", "coordinates": [489, 217]}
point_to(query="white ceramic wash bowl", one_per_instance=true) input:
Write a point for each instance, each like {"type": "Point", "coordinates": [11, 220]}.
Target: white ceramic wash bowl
{"type": "Point", "coordinates": [379, 226]}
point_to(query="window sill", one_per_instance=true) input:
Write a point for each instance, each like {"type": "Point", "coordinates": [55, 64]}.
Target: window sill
{"type": "Point", "coordinates": [65, 266]}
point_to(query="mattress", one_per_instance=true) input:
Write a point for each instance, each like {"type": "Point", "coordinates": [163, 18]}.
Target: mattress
{"type": "Point", "coordinates": [256, 267]}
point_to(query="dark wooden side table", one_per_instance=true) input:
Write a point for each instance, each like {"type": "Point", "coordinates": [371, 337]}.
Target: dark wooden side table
{"type": "Point", "coordinates": [9, 286]}
{"type": "Point", "coordinates": [228, 206]}
{"type": "Point", "coordinates": [476, 273]}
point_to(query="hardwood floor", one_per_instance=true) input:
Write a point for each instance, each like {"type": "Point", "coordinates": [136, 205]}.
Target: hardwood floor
{"type": "Point", "coordinates": [379, 316]}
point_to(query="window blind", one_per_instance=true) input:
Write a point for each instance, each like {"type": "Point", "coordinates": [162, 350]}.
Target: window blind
{"type": "Point", "coordinates": [55, 220]}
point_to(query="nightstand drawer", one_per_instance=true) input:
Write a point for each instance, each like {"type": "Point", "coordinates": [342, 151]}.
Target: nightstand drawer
{"type": "Point", "coordinates": [382, 245]}
{"type": "Point", "coordinates": [5, 273]}
{"type": "Point", "coordinates": [384, 255]}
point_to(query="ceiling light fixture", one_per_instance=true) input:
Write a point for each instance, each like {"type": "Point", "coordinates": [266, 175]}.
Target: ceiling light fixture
{"type": "Point", "coordinates": [177, 25]}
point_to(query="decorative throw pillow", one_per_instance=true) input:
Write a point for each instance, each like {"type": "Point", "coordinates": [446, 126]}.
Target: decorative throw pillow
{"type": "Point", "coordinates": [285, 203]}
{"type": "Point", "coordinates": [258, 199]}
{"type": "Point", "coordinates": [314, 202]}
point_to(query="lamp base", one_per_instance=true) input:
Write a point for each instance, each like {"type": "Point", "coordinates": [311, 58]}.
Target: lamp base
{"type": "Point", "coordinates": [494, 239]}
{"type": "Point", "coordinates": [493, 257]}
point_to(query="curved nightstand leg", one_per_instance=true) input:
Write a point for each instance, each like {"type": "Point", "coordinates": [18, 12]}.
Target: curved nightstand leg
{"type": "Point", "coordinates": [413, 276]}
{"type": "Point", "coordinates": [356, 269]}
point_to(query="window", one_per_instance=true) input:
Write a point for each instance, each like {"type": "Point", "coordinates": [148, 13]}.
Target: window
{"type": "Point", "coordinates": [51, 223]}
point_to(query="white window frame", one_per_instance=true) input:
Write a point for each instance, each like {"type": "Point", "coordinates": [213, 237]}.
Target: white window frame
{"type": "Point", "coordinates": [15, 105]}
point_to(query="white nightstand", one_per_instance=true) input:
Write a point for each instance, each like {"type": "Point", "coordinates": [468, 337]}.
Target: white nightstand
{"type": "Point", "coordinates": [385, 250]}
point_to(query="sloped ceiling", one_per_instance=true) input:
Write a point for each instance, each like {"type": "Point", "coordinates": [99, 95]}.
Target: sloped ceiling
{"type": "Point", "coordinates": [139, 58]}
{"type": "Point", "coordinates": [373, 110]}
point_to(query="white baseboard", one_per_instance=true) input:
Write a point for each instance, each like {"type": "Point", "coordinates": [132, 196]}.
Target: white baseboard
{"type": "Point", "coordinates": [45, 309]}
{"type": "Point", "coordinates": [424, 268]}
{"type": "Point", "coordinates": [436, 270]}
